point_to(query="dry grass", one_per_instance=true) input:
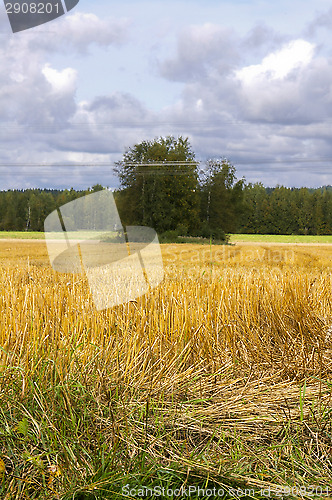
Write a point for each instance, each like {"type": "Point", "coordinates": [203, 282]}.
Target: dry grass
{"type": "Point", "coordinates": [224, 369]}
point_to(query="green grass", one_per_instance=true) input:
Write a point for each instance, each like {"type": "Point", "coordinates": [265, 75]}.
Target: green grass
{"type": "Point", "coordinates": [280, 238]}
{"type": "Point", "coordinates": [33, 235]}
{"type": "Point", "coordinates": [63, 435]}
{"type": "Point", "coordinates": [40, 235]}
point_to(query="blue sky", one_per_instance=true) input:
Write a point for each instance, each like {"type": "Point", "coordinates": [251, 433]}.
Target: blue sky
{"type": "Point", "coordinates": [250, 81]}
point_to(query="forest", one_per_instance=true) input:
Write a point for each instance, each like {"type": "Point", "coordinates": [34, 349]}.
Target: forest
{"type": "Point", "coordinates": [161, 185]}
{"type": "Point", "coordinates": [278, 210]}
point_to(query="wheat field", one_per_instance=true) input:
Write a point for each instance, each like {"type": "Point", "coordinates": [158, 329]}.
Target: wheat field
{"type": "Point", "coordinates": [222, 374]}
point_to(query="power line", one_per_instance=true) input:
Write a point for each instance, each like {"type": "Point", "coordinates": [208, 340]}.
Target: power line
{"type": "Point", "coordinates": [155, 122]}
{"type": "Point", "coordinates": [113, 166]}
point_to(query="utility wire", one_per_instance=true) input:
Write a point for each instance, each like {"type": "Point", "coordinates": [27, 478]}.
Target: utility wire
{"type": "Point", "coordinates": [112, 165]}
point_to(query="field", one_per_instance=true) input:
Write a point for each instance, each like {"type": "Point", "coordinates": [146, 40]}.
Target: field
{"type": "Point", "coordinates": [218, 378]}
{"type": "Point", "coordinates": [234, 238]}
{"type": "Point", "coordinates": [282, 238]}
{"type": "Point", "coordinates": [32, 235]}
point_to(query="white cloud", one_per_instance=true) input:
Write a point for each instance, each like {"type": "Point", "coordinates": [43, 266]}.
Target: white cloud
{"type": "Point", "coordinates": [61, 81]}
{"type": "Point", "coordinates": [279, 64]}
{"type": "Point", "coordinates": [76, 33]}
{"type": "Point", "coordinates": [81, 29]}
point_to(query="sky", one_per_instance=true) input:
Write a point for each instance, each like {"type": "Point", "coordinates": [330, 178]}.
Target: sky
{"type": "Point", "coordinates": [249, 81]}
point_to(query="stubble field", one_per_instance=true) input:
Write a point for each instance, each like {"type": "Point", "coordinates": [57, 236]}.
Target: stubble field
{"type": "Point", "coordinates": [219, 378]}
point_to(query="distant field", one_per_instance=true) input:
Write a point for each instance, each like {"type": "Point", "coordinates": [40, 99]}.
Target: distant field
{"type": "Point", "coordinates": [280, 238]}
{"type": "Point", "coordinates": [40, 235]}
{"type": "Point", "coordinates": [247, 238]}
{"type": "Point", "coordinates": [33, 235]}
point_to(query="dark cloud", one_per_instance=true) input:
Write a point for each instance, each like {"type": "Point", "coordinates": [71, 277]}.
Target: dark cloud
{"type": "Point", "coordinates": [117, 109]}
{"type": "Point", "coordinates": [199, 50]}
{"type": "Point", "coordinates": [260, 41]}
{"type": "Point", "coordinates": [323, 20]}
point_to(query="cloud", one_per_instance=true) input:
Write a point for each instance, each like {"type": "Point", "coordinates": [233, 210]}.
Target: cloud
{"type": "Point", "coordinates": [64, 81]}
{"type": "Point", "coordinates": [267, 116]}
{"type": "Point", "coordinates": [261, 37]}
{"type": "Point", "coordinates": [77, 33]}
{"type": "Point", "coordinates": [31, 90]}
{"type": "Point", "coordinates": [288, 87]}
{"type": "Point", "coordinates": [106, 125]}
{"type": "Point", "coordinates": [119, 108]}
{"type": "Point", "coordinates": [84, 28]}
{"type": "Point", "coordinates": [199, 49]}
{"type": "Point", "coordinates": [38, 105]}
{"type": "Point", "coordinates": [323, 20]}
{"type": "Point", "coordinates": [278, 65]}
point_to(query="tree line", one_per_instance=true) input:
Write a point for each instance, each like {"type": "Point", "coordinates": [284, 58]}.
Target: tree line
{"type": "Point", "coordinates": [164, 187]}
{"type": "Point", "coordinates": [26, 210]}
{"type": "Point", "coordinates": [283, 210]}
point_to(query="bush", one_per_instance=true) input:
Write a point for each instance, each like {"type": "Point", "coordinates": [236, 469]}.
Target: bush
{"type": "Point", "coordinates": [170, 236]}
{"type": "Point", "coordinates": [182, 230]}
{"type": "Point", "coordinates": [216, 233]}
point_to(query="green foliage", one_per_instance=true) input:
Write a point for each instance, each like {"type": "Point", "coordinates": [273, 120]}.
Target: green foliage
{"type": "Point", "coordinates": [221, 200]}
{"type": "Point", "coordinates": [26, 210]}
{"type": "Point", "coordinates": [159, 185]}
{"type": "Point", "coordinates": [284, 210]}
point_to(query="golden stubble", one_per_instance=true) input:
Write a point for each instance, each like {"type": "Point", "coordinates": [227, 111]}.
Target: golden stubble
{"type": "Point", "coordinates": [264, 307]}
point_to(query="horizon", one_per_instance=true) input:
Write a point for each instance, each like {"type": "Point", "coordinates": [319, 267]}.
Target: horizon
{"type": "Point", "coordinates": [325, 186]}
